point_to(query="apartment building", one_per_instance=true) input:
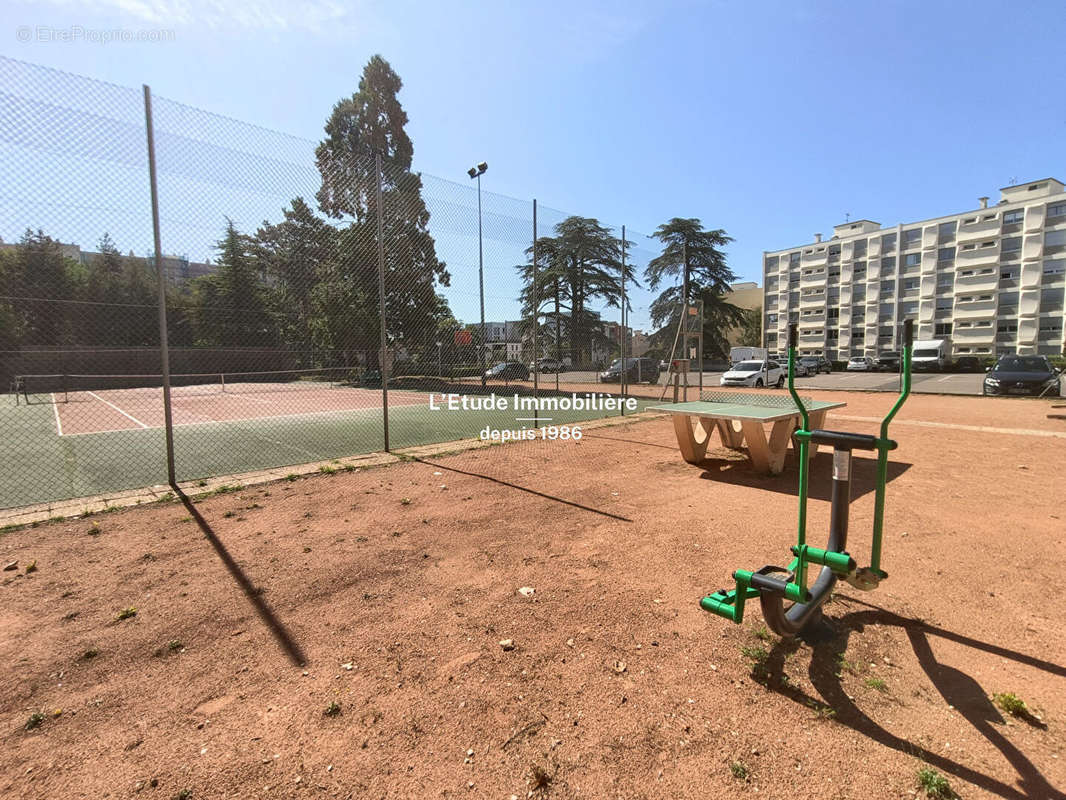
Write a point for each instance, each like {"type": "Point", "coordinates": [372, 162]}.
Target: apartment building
{"type": "Point", "coordinates": [991, 280]}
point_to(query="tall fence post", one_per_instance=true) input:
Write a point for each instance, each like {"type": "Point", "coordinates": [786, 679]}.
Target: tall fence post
{"type": "Point", "coordinates": [622, 333]}
{"type": "Point", "coordinates": [536, 320]}
{"type": "Point", "coordinates": [381, 305]}
{"type": "Point", "coordinates": [164, 353]}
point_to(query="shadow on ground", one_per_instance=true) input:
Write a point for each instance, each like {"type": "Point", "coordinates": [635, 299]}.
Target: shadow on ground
{"type": "Point", "coordinates": [956, 687]}
{"type": "Point", "coordinates": [254, 595]}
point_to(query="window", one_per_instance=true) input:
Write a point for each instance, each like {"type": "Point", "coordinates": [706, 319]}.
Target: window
{"type": "Point", "coordinates": [888, 264]}
{"type": "Point", "coordinates": [942, 329]}
{"type": "Point", "coordinates": [911, 283]}
{"type": "Point", "coordinates": [1008, 273]}
{"type": "Point", "coordinates": [988, 244]}
{"type": "Point", "coordinates": [834, 313]}
{"type": "Point", "coordinates": [1036, 186]}
{"type": "Point", "coordinates": [771, 319]}
{"type": "Point", "coordinates": [793, 258]}
{"type": "Point", "coordinates": [969, 221]}
{"type": "Point", "coordinates": [858, 292]}
{"type": "Point", "coordinates": [888, 242]}
{"type": "Point", "coordinates": [857, 336]}
{"type": "Point", "coordinates": [943, 303]}
{"type": "Point", "coordinates": [912, 238]}
{"type": "Point", "coordinates": [1011, 244]}
{"type": "Point", "coordinates": [946, 230]}
{"type": "Point", "coordinates": [888, 288]}
{"type": "Point", "coordinates": [1054, 268]}
{"type": "Point", "coordinates": [1055, 238]}
{"type": "Point", "coordinates": [1013, 217]}
{"type": "Point", "coordinates": [1008, 299]}
{"type": "Point", "coordinates": [1051, 299]}
{"type": "Point", "coordinates": [985, 323]}
{"type": "Point", "coordinates": [833, 334]}
{"type": "Point", "coordinates": [909, 308]}
{"type": "Point", "coordinates": [1057, 210]}
{"type": "Point", "coordinates": [912, 259]}
{"type": "Point", "coordinates": [1006, 327]}
{"type": "Point", "coordinates": [858, 249]}
{"type": "Point", "coordinates": [859, 269]}
{"type": "Point", "coordinates": [945, 254]}
{"type": "Point", "coordinates": [946, 280]}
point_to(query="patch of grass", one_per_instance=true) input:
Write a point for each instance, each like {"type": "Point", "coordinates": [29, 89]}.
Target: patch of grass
{"type": "Point", "coordinates": [935, 785]}
{"type": "Point", "coordinates": [201, 482]}
{"type": "Point", "coordinates": [350, 468]}
{"type": "Point", "coordinates": [94, 529]}
{"type": "Point", "coordinates": [333, 709]}
{"type": "Point", "coordinates": [756, 655]}
{"type": "Point", "coordinates": [169, 497]}
{"type": "Point", "coordinates": [35, 721]}
{"type": "Point", "coordinates": [31, 567]}
{"type": "Point", "coordinates": [292, 476]}
{"type": "Point", "coordinates": [406, 501]}
{"type": "Point", "coordinates": [184, 794]}
{"type": "Point", "coordinates": [174, 645]}
{"type": "Point", "coordinates": [761, 633]}
{"type": "Point", "coordinates": [126, 613]}
{"type": "Point", "coordinates": [876, 683]}
{"type": "Point", "coordinates": [1011, 703]}
{"type": "Point", "coordinates": [844, 665]}
{"type": "Point", "coordinates": [740, 770]}
{"type": "Point", "coordinates": [326, 469]}
{"type": "Point", "coordinates": [90, 654]}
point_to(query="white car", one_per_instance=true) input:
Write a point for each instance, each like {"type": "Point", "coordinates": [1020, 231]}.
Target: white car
{"type": "Point", "coordinates": [861, 364]}
{"type": "Point", "coordinates": [754, 373]}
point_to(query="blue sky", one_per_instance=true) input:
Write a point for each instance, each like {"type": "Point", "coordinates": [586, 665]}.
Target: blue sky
{"type": "Point", "coordinates": [771, 120]}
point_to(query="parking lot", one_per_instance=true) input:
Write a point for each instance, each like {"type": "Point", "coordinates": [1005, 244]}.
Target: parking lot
{"type": "Point", "coordinates": [933, 382]}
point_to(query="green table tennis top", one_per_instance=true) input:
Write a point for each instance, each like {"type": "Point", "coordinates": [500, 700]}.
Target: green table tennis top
{"type": "Point", "coordinates": [744, 408]}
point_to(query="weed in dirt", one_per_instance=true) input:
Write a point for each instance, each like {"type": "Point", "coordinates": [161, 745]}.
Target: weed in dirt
{"type": "Point", "coordinates": [292, 476]}
{"type": "Point", "coordinates": [201, 482]}
{"type": "Point", "coordinates": [935, 785]}
{"type": "Point", "coordinates": [761, 633]}
{"type": "Point", "coordinates": [184, 794]}
{"type": "Point", "coordinates": [876, 683]}
{"type": "Point", "coordinates": [844, 665]}
{"type": "Point", "coordinates": [31, 567]}
{"type": "Point", "coordinates": [350, 468]}
{"type": "Point", "coordinates": [757, 655]}
{"type": "Point", "coordinates": [35, 721]}
{"type": "Point", "coordinates": [230, 514]}
{"type": "Point", "coordinates": [252, 507]}
{"type": "Point", "coordinates": [90, 654]}
{"type": "Point", "coordinates": [1011, 703]}
{"type": "Point", "coordinates": [169, 497]}
{"type": "Point", "coordinates": [71, 616]}
{"type": "Point", "coordinates": [406, 501]}
{"type": "Point", "coordinates": [540, 778]}
{"type": "Point", "coordinates": [147, 557]}
{"type": "Point", "coordinates": [361, 539]}
{"type": "Point", "coordinates": [126, 613]}
{"type": "Point", "coordinates": [94, 529]}
{"type": "Point", "coordinates": [174, 645]}
{"type": "Point", "coordinates": [333, 709]}
{"type": "Point", "coordinates": [740, 770]}
{"type": "Point", "coordinates": [326, 469]}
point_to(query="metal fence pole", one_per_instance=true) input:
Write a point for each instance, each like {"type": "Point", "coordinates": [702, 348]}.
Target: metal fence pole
{"type": "Point", "coordinates": [381, 305]}
{"type": "Point", "coordinates": [622, 333]}
{"type": "Point", "coordinates": [536, 317]}
{"type": "Point", "coordinates": [164, 354]}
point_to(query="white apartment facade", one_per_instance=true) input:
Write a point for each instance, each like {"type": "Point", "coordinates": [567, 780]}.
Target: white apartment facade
{"type": "Point", "coordinates": [990, 280]}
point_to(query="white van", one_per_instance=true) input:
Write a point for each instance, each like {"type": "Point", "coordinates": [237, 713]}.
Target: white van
{"type": "Point", "coordinates": [931, 355]}
{"type": "Point", "coordinates": [738, 354]}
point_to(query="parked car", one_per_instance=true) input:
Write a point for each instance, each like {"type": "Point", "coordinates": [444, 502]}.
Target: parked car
{"type": "Point", "coordinates": [508, 371]}
{"type": "Point", "coordinates": [888, 362]}
{"type": "Point", "coordinates": [1032, 375]}
{"type": "Point", "coordinates": [754, 373]}
{"type": "Point", "coordinates": [802, 369]}
{"type": "Point", "coordinates": [637, 370]}
{"type": "Point", "coordinates": [817, 364]}
{"type": "Point", "coordinates": [549, 365]}
{"type": "Point", "coordinates": [968, 364]}
{"type": "Point", "coordinates": [861, 364]}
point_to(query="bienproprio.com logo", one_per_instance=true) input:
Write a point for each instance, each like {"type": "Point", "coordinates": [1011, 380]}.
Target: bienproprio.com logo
{"type": "Point", "coordinates": [73, 34]}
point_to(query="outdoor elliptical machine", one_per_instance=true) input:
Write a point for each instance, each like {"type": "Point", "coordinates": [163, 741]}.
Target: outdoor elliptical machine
{"type": "Point", "coordinates": [774, 585]}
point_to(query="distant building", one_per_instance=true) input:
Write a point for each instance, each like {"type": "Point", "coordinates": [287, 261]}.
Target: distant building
{"type": "Point", "coordinates": [178, 269]}
{"type": "Point", "coordinates": [747, 295]}
{"type": "Point", "coordinates": [990, 279]}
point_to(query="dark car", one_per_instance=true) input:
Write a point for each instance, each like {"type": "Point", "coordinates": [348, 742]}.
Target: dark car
{"type": "Point", "coordinates": [508, 371]}
{"type": "Point", "coordinates": [968, 364]}
{"type": "Point", "coordinates": [1032, 375]}
{"type": "Point", "coordinates": [637, 370]}
{"type": "Point", "coordinates": [816, 364]}
{"type": "Point", "coordinates": [888, 362]}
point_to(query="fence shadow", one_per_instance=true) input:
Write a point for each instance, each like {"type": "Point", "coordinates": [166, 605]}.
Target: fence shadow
{"type": "Point", "coordinates": [277, 628]}
{"type": "Point", "coordinates": [510, 485]}
{"type": "Point", "coordinates": [955, 686]}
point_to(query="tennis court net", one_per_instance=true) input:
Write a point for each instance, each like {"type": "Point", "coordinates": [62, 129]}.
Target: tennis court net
{"type": "Point", "coordinates": [32, 389]}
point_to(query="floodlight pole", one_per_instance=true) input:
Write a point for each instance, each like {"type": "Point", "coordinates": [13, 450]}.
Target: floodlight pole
{"type": "Point", "coordinates": [476, 172]}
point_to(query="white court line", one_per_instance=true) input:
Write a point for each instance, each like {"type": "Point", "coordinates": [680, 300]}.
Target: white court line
{"type": "Point", "coordinates": [55, 408]}
{"type": "Point", "coordinates": [945, 378]}
{"type": "Point", "coordinates": [957, 427]}
{"type": "Point", "coordinates": [119, 410]}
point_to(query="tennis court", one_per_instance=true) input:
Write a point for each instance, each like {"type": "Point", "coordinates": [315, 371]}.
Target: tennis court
{"type": "Point", "coordinates": [72, 436]}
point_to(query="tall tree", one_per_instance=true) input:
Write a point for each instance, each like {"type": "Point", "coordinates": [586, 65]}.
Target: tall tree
{"type": "Point", "coordinates": [230, 306]}
{"type": "Point", "coordinates": [751, 328]}
{"type": "Point", "coordinates": [372, 120]}
{"type": "Point", "coordinates": [52, 286]}
{"type": "Point", "coordinates": [690, 250]}
{"type": "Point", "coordinates": [296, 254]}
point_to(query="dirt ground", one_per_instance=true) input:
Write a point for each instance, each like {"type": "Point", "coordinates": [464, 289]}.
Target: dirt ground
{"type": "Point", "coordinates": [339, 635]}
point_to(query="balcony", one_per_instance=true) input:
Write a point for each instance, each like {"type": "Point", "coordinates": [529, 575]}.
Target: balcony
{"type": "Point", "coordinates": [813, 279]}
{"type": "Point", "coordinates": [965, 259]}
{"type": "Point", "coordinates": [983, 228]}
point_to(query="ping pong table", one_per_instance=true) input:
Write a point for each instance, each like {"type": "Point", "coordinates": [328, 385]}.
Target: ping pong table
{"type": "Point", "coordinates": [722, 411]}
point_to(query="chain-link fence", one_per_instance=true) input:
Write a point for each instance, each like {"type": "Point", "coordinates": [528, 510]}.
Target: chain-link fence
{"type": "Point", "coordinates": [319, 301]}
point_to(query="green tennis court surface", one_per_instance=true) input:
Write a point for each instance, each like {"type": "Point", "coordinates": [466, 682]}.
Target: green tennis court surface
{"type": "Point", "coordinates": [37, 464]}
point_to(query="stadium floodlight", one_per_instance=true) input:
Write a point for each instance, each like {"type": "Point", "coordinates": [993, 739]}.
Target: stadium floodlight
{"type": "Point", "coordinates": [477, 172]}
